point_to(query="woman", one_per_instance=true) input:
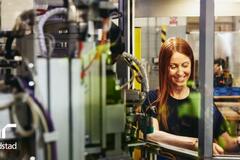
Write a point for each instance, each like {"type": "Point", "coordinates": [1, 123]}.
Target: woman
{"type": "Point", "coordinates": [176, 120]}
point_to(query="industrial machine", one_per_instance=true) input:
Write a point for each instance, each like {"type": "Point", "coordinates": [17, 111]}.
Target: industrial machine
{"type": "Point", "coordinates": [59, 79]}
{"type": "Point", "coordinates": [58, 76]}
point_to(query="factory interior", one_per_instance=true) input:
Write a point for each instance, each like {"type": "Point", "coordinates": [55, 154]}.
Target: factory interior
{"type": "Point", "coordinates": [76, 77]}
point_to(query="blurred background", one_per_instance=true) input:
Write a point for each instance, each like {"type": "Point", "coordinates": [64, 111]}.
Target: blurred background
{"type": "Point", "coordinates": [74, 73]}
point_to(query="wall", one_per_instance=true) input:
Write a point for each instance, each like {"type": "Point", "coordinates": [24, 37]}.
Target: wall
{"type": "Point", "coordinates": [151, 40]}
{"type": "Point", "coordinates": [10, 9]}
{"type": "Point", "coordinates": [164, 8]}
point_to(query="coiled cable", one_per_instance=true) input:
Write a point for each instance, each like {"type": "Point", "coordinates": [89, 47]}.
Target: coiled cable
{"type": "Point", "coordinates": [142, 71]}
{"type": "Point", "coordinates": [20, 130]}
{"type": "Point", "coordinates": [36, 115]}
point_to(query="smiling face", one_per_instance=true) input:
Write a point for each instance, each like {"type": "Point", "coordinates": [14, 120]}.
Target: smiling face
{"type": "Point", "coordinates": [179, 70]}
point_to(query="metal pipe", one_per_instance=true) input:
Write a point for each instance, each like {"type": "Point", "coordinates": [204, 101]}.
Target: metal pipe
{"type": "Point", "coordinates": [206, 78]}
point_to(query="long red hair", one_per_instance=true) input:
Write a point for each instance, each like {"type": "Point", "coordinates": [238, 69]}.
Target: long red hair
{"type": "Point", "coordinates": [168, 48]}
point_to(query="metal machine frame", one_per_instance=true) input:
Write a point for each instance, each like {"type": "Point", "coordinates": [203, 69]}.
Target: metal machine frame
{"type": "Point", "coordinates": [206, 79]}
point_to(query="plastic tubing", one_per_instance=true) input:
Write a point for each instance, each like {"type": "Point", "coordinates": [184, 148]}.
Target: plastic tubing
{"type": "Point", "coordinates": [142, 70]}
{"type": "Point", "coordinates": [41, 24]}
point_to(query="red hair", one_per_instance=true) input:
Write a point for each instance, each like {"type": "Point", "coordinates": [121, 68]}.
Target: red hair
{"type": "Point", "coordinates": [168, 48]}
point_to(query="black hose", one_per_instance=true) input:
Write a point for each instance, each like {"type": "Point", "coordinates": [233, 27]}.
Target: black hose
{"type": "Point", "coordinates": [8, 47]}
{"type": "Point", "coordinates": [11, 35]}
{"type": "Point", "coordinates": [65, 3]}
{"type": "Point", "coordinates": [6, 34]}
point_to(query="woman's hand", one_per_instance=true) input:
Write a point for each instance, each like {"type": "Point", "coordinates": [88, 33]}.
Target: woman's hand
{"type": "Point", "coordinates": [231, 144]}
{"type": "Point", "coordinates": [217, 150]}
